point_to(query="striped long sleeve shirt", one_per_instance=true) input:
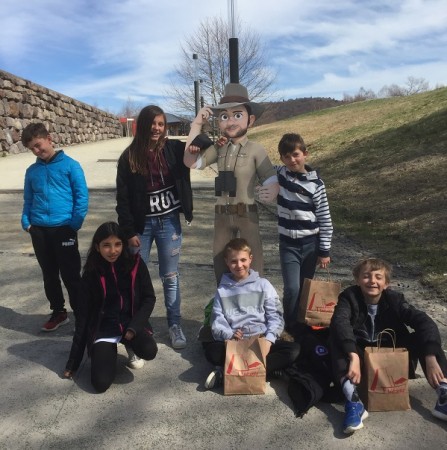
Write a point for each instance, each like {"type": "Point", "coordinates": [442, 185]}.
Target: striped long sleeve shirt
{"type": "Point", "coordinates": [303, 209]}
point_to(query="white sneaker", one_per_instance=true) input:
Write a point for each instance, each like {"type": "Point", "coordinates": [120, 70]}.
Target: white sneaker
{"type": "Point", "coordinates": [214, 379]}
{"type": "Point", "coordinates": [178, 339]}
{"type": "Point", "coordinates": [134, 362]}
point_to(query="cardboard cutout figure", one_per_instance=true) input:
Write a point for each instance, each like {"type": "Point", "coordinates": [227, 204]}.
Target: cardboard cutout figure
{"type": "Point", "coordinates": [241, 164]}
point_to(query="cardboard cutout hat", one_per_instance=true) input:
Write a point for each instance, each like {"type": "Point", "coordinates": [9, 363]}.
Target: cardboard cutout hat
{"type": "Point", "coordinates": [236, 95]}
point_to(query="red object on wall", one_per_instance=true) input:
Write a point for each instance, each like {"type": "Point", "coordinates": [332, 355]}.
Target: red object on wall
{"type": "Point", "coordinates": [129, 125]}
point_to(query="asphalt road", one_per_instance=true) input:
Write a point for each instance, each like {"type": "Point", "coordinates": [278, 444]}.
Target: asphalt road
{"type": "Point", "coordinates": [164, 405]}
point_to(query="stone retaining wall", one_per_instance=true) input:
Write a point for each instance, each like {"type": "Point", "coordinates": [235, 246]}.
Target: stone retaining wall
{"type": "Point", "coordinates": [69, 121]}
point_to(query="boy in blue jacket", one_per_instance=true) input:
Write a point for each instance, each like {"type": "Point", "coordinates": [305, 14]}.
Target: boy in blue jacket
{"type": "Point", "coordinates": [55, 205]}
{"type": "Point", "coordinates": [246, 305]}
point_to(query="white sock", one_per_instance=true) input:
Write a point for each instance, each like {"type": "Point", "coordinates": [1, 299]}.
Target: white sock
{"type": "Point", "coordinates": [349, 390]}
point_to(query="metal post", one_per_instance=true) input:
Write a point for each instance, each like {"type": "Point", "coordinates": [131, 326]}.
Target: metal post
{"type": "Point", "coordinates": [195, 57]}
{"type": "Point", "coordinates": [233, 45]}
{"type": "Point", "coordinates": [234, 60]}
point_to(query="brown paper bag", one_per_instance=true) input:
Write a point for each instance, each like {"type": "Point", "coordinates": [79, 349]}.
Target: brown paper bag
{"type": "Point", "coordinates": [386, 373]}
{"type": "Point", "coordinates": [317, 302]}
{"type": "Point", "coordinates": [244, 370]}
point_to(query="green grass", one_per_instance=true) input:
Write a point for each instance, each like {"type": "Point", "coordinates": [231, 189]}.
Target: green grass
{"type": "Point", "coordinates": [384, 163]}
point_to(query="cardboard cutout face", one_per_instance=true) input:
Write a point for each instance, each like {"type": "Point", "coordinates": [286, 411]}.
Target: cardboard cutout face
{"type": "Point", "coordinates": [234, 122]}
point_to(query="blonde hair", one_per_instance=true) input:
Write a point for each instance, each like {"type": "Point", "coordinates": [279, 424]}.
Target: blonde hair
{"type": "Point", "coordinates": [371, 264]}
{"type": "Point", "coordinates": [236, 245]}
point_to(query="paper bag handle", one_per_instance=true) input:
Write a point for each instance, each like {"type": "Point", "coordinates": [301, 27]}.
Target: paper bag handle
{"type": "Point", "coordinates": [328, 274]}
{"type": "Point", "coordinates": [390, 332]}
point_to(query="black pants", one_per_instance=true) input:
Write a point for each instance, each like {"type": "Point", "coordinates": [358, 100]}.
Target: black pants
{"type": "Point", "coordinates": [104, 356]}
{"type": "Point", "coordinates": [340, 361]}
{"type": "Point", "coordinates": [281, 355]}
{"type": "Point", "coordinates": [57, 252]}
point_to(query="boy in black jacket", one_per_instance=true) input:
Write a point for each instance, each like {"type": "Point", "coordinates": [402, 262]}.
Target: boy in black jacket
{"type": "Point", "coordinates": [365, 310]}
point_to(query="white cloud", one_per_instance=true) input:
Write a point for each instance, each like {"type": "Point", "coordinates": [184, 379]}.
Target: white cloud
{"type": "Point", "coordinates": [104, 51]}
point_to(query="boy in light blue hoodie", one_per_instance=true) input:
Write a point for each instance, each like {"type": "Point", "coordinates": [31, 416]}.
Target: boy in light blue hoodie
{"type": "Point", "coordinates": [246, 305]}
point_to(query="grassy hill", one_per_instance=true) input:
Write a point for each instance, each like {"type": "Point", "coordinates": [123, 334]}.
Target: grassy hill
{"type": "Point", "coordinates": [384, 163]}
{"type": "Point", "coordinates": [275, 111]}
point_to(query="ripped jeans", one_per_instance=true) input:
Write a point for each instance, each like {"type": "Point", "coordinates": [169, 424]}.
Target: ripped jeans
{"type": "Point", "coordinates": [167, 233]}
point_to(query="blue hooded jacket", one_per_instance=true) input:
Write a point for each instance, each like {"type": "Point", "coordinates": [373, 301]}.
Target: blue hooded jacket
{"type": "Point", "coordinates": [55, 193]}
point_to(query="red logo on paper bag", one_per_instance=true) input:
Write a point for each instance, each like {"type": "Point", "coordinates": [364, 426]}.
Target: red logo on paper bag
{"type": "Point", "coordinates": [247, 370]}
{"type": "Point", "coordinates": [323, 307]}
{"type": "Point", "coordinates": [387, 384]}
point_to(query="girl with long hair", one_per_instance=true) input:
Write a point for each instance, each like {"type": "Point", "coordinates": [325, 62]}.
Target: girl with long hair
{"type": "Point", "coordinates": [115, 301]}
{"type": "Point", "coordinates": [153, 187]}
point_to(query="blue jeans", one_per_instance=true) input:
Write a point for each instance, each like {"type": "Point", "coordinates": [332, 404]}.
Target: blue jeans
{"type": "Point", "coordinates": [167, 233]}
{"type": "Point", "coordinates": [298, 261]}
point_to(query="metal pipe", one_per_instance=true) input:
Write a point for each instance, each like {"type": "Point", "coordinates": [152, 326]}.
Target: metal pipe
{"type": "Point", "coordinates": [233, 44]}
{"type": "Point", "coordinates": [234, 60]}
{"type": "Point", "coordinates": [195, 58]}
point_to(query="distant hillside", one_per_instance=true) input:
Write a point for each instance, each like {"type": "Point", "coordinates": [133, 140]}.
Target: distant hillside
{"type": "Point", "coordinates": [384, 163]}
{"type": "Point", "coordinates": [275, 111]}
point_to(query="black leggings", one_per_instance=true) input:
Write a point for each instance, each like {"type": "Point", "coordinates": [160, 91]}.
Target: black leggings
{"type": "Point", "coordinates": [104, 356]}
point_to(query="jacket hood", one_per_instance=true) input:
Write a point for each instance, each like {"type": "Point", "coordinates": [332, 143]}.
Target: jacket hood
{"type": "Point", "coordinates": [227, 279]}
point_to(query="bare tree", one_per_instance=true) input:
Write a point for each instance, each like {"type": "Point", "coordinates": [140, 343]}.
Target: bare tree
{"type": "Point", "coordinates": [129, 109]}
{"type": "Point", "coordinates": [412, 86]}
{"type": "Point", "coordinates": [210, 43]}
{"type": "Point", "coordinates": [416, 85]}
{"type": "Point", "coordinates": [393, 90]}
{"type": "Point", "coordinates": [362, 94]}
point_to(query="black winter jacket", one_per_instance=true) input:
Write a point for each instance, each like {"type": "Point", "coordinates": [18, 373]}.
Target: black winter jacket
{"type": "Point", "coordinates": [349, 321]}
{"type": "Point", "coordinates": [90, 308]}
{"type": "Point", "coordinates": [131, 189]}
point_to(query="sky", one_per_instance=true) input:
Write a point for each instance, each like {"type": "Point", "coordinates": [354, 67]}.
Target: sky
{"type": "Point", "coordinates": [105, 52]}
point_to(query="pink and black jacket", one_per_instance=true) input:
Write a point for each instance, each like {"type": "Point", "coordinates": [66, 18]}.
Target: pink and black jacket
{"type": "Point", "coordinates": [110, 302]}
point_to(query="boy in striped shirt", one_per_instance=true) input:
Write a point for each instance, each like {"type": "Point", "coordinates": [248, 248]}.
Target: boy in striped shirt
{"type": "Point", "coordinates": [304, 223]}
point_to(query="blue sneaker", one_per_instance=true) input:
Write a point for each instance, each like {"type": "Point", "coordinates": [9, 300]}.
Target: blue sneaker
{"type": "Point", "coordinates": [440, 410]}
{"type": "Point", "coordinates": [355, 413]}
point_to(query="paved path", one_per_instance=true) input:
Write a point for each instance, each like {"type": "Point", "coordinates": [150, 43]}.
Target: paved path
{"type": "Point", "coordinates": [97, 159]}
{"type": "Point", "coordinates": [164, 404]}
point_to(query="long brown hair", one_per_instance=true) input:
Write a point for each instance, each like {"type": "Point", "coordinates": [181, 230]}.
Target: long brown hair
{"type": "Point", "coordinates": [139, 147]}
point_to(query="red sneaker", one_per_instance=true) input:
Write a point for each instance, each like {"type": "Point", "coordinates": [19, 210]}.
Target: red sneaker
{"type": "Point", "coordinates": [56, 320]}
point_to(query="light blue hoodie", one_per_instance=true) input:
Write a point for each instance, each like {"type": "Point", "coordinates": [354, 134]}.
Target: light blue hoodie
{"type": "Point", "coordinates": [251, 305]}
